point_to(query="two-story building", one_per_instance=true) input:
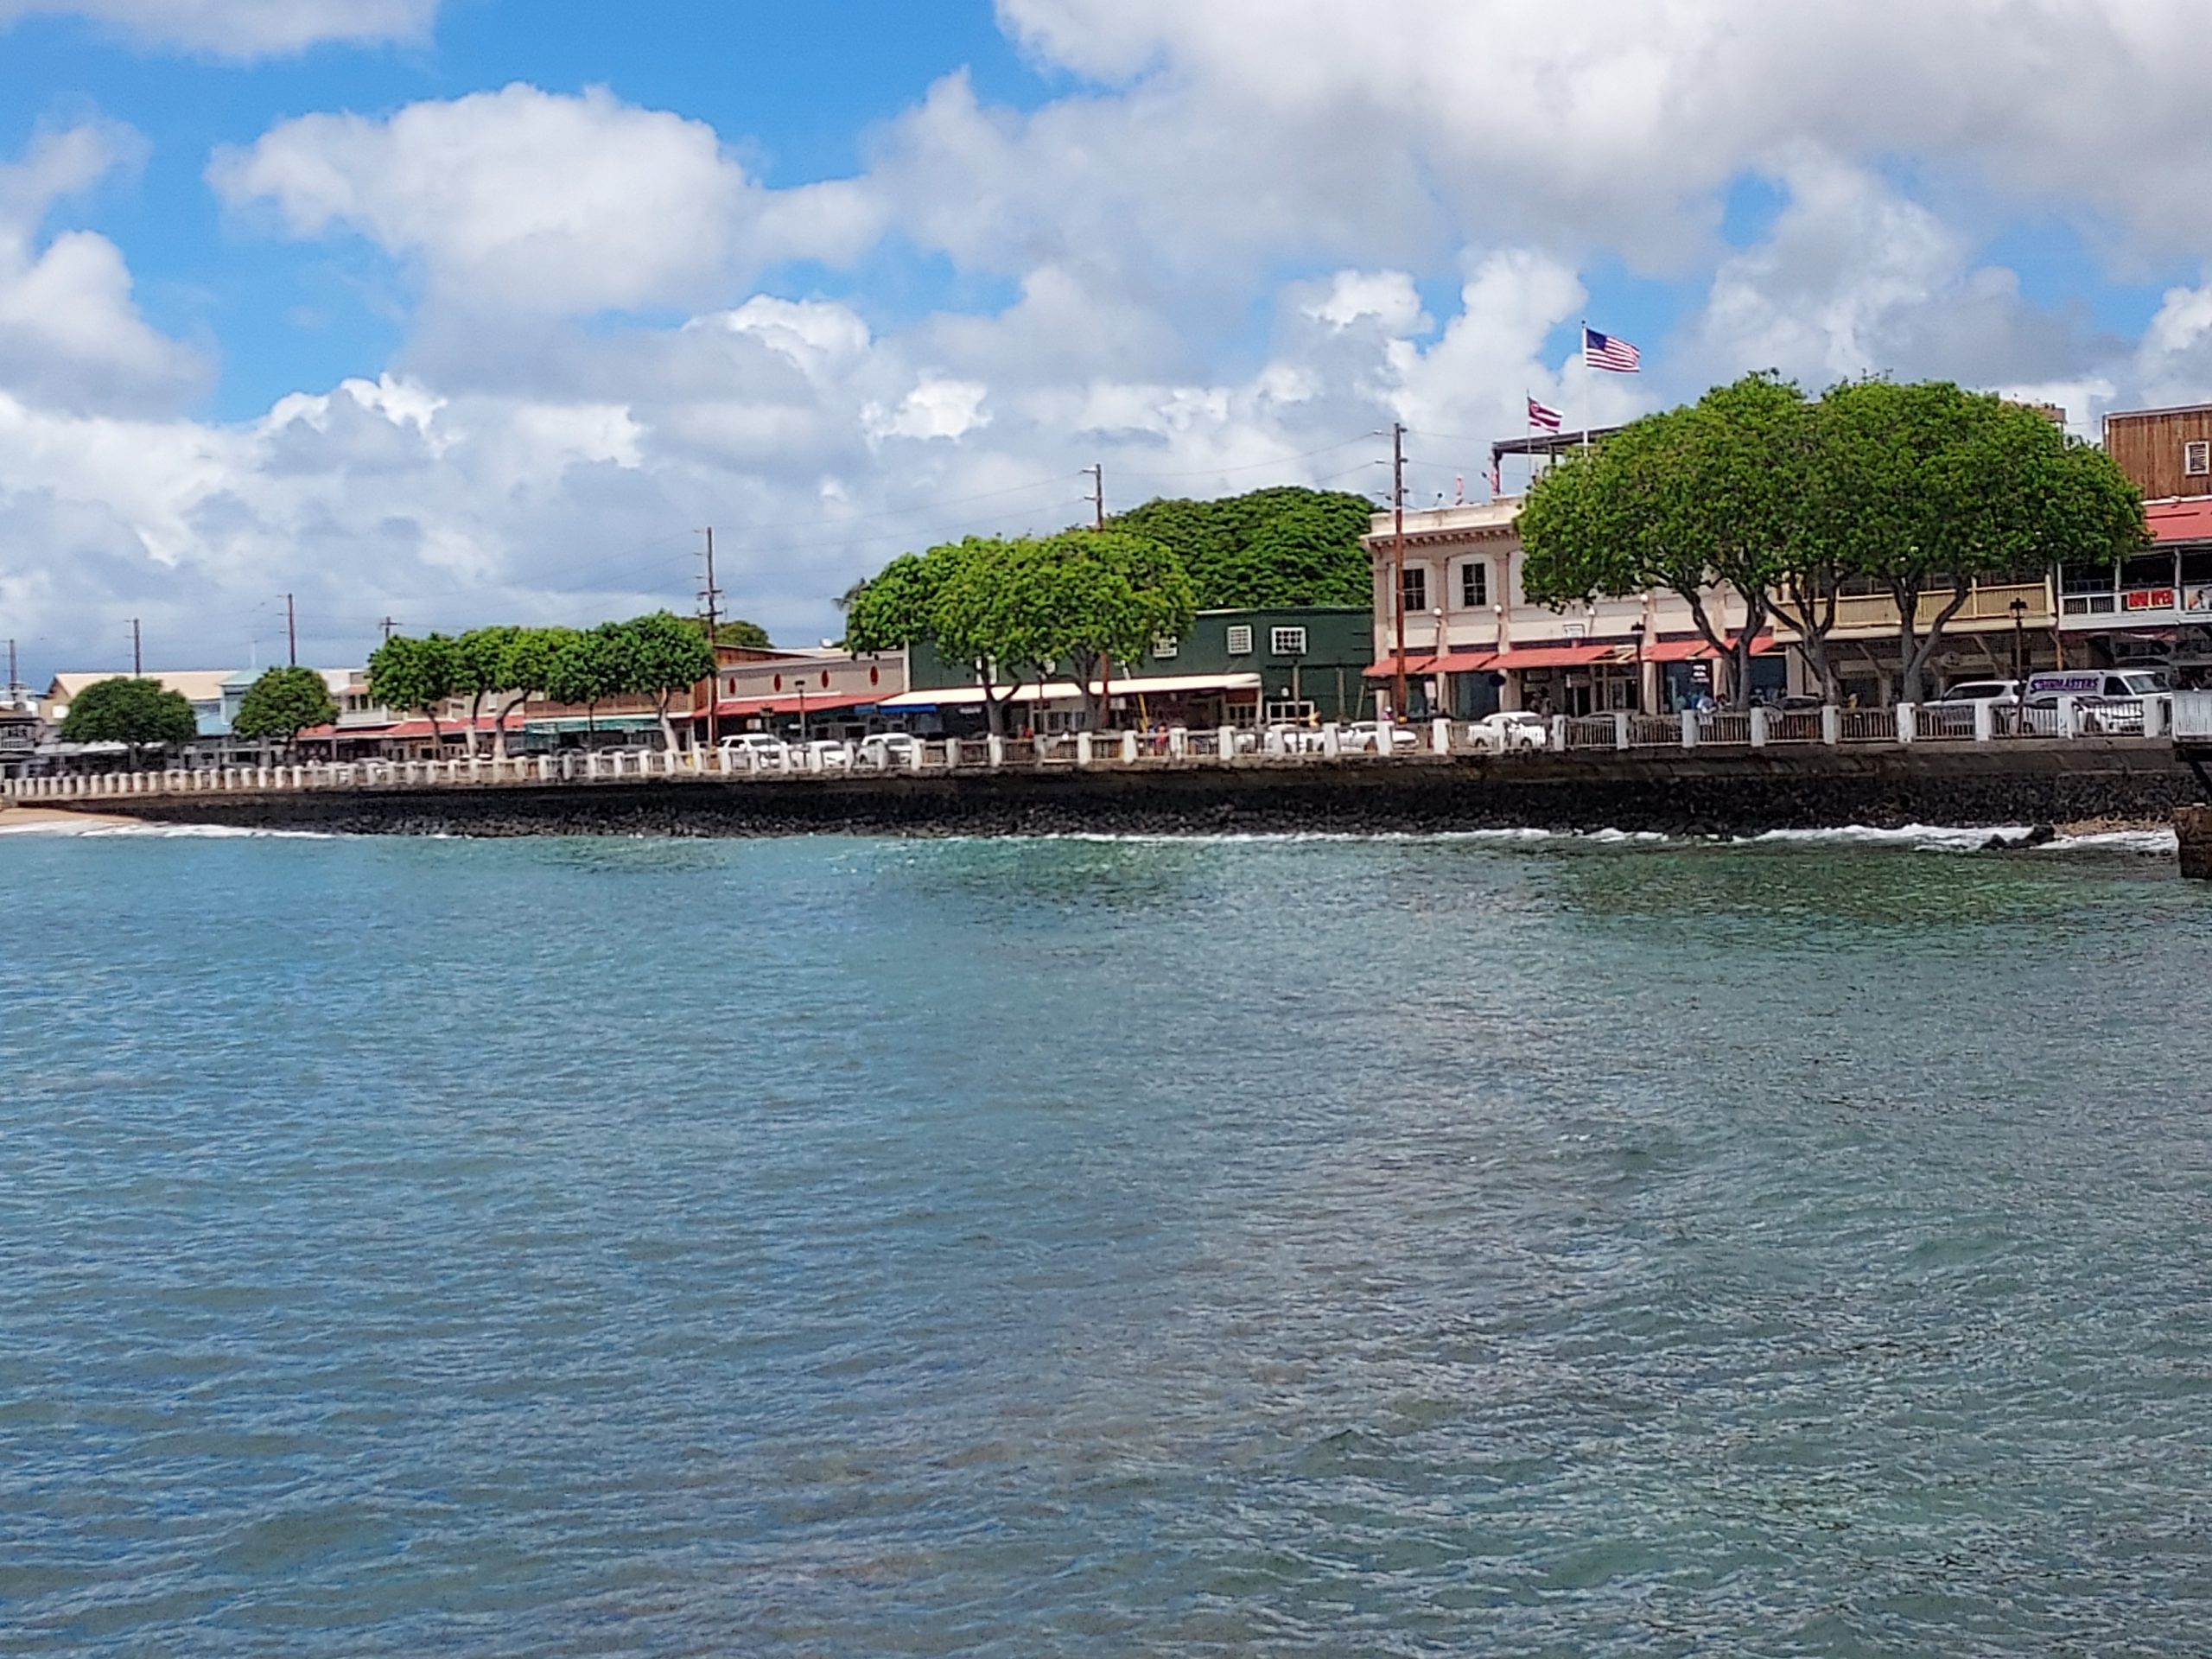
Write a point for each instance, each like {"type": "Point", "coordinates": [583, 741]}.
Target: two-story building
{"type": "Point", "coordinates": [1297, 664]}
{"type": "Point", "coordinates": [2155, 608]}
{"type": "Point", "coordinates": [1475, 644]}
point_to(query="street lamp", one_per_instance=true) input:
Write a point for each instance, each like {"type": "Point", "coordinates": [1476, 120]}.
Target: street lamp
{"type": "Point", "coordinates": [1636, 631]}
{"type": "Point", "coordinates": [2020, 661]}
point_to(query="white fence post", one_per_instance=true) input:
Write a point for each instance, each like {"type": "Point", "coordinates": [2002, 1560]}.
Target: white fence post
{"type": "Point", "coordinates": [1333, 740]}
{"type": "Point", "coordinates": [1620, 729]}
{"type": "Point", "coordinates": [1439, 735]}
{"type": "Point", "coordinates": [2070, 718]}
{"type": "Point", "coordinates": [1178, 742]}
{"type": "Point", "coordinates": [1984, 720]}
{"type": "Point", "coordinates": [1227, 751]}
{"type": "Point", "coordinates": [1831, 725]}
{"type": "Point", "coordinates": [1759, 726]}
{"type": "Point", "coordinates": [1908, 722]}
{"type": "Point", "coordinates": [1690, 733]}
{"type": "Point", "coordinates": [997, 746]}
{"type": "Point", "coordinates": [1558, 734]}
{"type": "Point", "coordinates": [1129, 748]}
{"type": "Point", "coordinates": [1083, 749]}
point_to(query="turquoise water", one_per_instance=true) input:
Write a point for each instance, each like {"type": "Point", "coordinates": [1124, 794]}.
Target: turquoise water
{"type": "Point", "coordinates": [1095, 1248]}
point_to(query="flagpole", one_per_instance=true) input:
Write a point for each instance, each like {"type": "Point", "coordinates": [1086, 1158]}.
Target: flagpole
{"type": "Point", "coordinates": [1589, 390]}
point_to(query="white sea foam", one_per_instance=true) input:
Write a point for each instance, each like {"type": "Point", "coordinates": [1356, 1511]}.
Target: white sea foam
{"type": "Point", "coordinates": [104, 830]}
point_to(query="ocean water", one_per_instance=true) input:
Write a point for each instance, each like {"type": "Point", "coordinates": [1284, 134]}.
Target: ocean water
{"type": "Point", "coordinates": [1093, 1248]}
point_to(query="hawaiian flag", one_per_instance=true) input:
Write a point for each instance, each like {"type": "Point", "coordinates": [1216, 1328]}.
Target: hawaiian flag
{"type": "Point", "coordinates": [1605, 352]}
{"type": "Point", "coordinates": [1550, 419]}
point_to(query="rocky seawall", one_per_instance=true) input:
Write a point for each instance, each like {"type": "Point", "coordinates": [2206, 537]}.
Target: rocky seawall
{"type": "Point", "coordinates": [1740, 793]}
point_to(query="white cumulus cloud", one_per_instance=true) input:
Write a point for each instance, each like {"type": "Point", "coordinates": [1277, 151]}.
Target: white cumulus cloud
{"type": "Point", "coordinates": [242, 29]}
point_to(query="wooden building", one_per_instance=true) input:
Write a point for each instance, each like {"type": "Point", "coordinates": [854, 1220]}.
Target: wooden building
{"type": "Point", "coordinates": [2168, 452]}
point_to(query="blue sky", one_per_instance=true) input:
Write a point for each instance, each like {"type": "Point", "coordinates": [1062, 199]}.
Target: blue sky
{"type": "Point", "coordinates": [445, 308]}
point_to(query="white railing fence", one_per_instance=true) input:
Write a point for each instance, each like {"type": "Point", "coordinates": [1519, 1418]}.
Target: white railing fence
{"type": "Point", "coordinates": [2187, 715]}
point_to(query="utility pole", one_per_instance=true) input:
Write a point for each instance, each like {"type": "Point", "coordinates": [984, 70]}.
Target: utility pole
{"type": "Point", "coordinates": [13, 683]}
{"type": "Point", "coordinates": [291, 631]}
{"type": "Point", "coordinates": [388, 625]}
{"type": "Point", "coordinates": [1097, 476]}
{"type": "Point", "coordinates": [1398, 563]}
{"type": "Point", "coordinates": [712, 598]}
{"type": "Point", "coordinates": [137, 654]}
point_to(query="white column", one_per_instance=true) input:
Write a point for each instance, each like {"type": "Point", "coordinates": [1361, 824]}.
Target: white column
{"type": "Point", "coordinates": [2070, 718]}
{"type": "Point", "coordinates": [1984, 720]}
{"type": "Point", "coordinates": [1228, 743]}
{"type": "Point", "coordinates": [2157, 712]}
{"type": "Point", "coordinates": [1689, 729]}
{"type": "Point", "coordinates": [1439, 736]}
{"type": "Point", "coordinates": [1758, 728]}
{"type": "Point", "coordinates": [1908, 722]}
{"type": "Point", "coordinates": [1083, 749]}
{"type": "Point", "coordinates": [1621, 731]}
{"type": "Point", "coordinates": [1178, 742]}
{"type": "Point", "coordinates": [1333, 740]}
{"type": "Point", "coordinates": [1831, 725]}
{"type": "Point", "coordinates": [997, 744]}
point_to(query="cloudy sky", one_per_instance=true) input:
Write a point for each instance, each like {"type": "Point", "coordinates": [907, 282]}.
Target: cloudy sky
{"type": "Point", "coordinates": [454, 311]}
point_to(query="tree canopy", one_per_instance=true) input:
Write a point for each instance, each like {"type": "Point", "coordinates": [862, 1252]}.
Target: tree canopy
{"type": "Point", "coordinates": [658, 655]}
{"type": "Point", "coordinates": [418, 674]}
{"type": "Point", "coordinates": [1016, 612]}
{"type": "Point", "coordinates": [282, 704]}
{"type": "Point", "coordinates": [139, 713]}
{"type": "Point", "coordinates": [1761, 497]}
{"type": "Point", "coordinates": [738, 632]}
{"type": "Point", "coordinates": [1273, 547]}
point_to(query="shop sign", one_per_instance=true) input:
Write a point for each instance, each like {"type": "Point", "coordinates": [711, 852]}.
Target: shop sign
{"type": "Point", "coordinates": [2197, 601]}
{"type": "Point", "coordinates": [2148, 599]}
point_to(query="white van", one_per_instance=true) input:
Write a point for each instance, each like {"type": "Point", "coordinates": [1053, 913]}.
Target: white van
{"type": "Point", "coordinates": [2113, 700]}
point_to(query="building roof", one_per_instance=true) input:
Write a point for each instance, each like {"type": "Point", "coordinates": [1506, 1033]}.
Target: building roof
{"type": "Point", "coordinates": [1059, 690]}
{"type": "Point", "coordinates": [193, 684]}
{"type": "Point", "coordinates": [2188, 520]}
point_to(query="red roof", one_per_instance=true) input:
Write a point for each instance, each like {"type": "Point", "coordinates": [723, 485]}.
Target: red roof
{"type": "Point", "coordinates": [1388, 668]}
{"type": "Point", "coordinates": [789, 703]}
{"type": "Point", "coordinates": [1554, 656]}
{"type": "Point", "coordinates": [1463, 662]}
{"type": "Point", "coordinates": [2181, 521]}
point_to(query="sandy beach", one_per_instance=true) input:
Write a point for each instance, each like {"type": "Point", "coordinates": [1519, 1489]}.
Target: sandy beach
{"type": "Point", "coordinates": [34, 817]}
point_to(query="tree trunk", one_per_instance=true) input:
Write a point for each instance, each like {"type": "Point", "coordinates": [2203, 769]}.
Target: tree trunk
{"type": "Point", "coordinates": [505, 754]}
{"type": "Point", "coordinates": [668, 727]}
{"type": "Point", "coordinates": [475, 714]}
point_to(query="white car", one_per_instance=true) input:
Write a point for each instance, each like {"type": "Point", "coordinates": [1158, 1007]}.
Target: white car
{"type": "Point", "coordinates": [756, 752]}
{"type": "Point", "coordinates": [825, 754]}
{"type": "Point", "coordinates": [890, 751]}
{"type": "Point", "coordinates": [1506, 732]}
{"type": "Point", "coordinates": [1365, 737]}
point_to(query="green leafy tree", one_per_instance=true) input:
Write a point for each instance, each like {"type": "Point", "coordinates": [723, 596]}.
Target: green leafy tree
{"type": "Point", "coordinates": [138, 713]}
{"type": "Point", "coordinates": [1927, 489]}
{"type": "Point", "coordinates": [1269, 548]}
{"type": "Point", "coordinates": [1704, 501]}
{"type": "Point", "coordinates": [738, 632]}
{"type": "Point", "coordinates": [526, 665]}
{"type": "Point", "coordinates": [586, 670]}
{"type": "Point", "coordinates": [282, 704]}
{"type": "Point", "coordinates": [421, 675]}
{"type": "Point", "coordinates": [662, 655]}
{"type": "Point", "coordinates": [1101, 597]}
{"type": "Point", "coordinates": [943, 599]}
{"type": "Point", "coordinates": [481, 659]}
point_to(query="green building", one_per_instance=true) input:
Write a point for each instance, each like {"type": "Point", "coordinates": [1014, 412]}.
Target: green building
{"type": "Point", "coordinates": [1297, 663]}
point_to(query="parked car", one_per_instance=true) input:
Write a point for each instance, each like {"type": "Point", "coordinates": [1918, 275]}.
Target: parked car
{"type": "Point", "coordinates": [827, 755]}
{"type": "Point", "coordinates": [756, 752]}
{"type": "Point", "coordinates": [1967, 693]}
{"type": "Point", "coordinates": [890, 751]}
{"type": "Point", "coordinates": [1365, 737]}
{"type": "Point", "coordinates": [1508, 730]}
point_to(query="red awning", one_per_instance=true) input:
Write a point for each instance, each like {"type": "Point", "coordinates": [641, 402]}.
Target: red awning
{"type": "Point", "coordinates": [1676, 651]}
{"type": "Point", "coordinates": [2181, 521]}
{"type": "Point", "coordinates": [1464, 662]}
{"type": "Point", "coordinates": [1554, 656]}
{"type": "Point", "coordinates": [1388, 669]}
{"type": "Point", "coordinates": [744, 708]}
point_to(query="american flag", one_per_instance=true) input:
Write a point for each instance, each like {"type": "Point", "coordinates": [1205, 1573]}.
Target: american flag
{"type": "Point", "coordinates": [1550, 419]}
{"type": "Point", "coordinates": [1604, 351]}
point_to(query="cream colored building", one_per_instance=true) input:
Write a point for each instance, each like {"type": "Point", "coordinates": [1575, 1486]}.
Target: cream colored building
{"type": "Point", "coordinates": [1473, 641]}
